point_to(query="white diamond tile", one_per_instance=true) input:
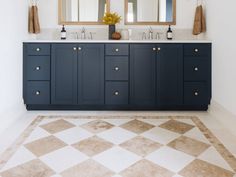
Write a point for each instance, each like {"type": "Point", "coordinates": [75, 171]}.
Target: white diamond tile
{"type": "Point", "coordinates": [48, 120]}
{"type": "Point", "coordinates": [117, 122]}
{"type": "Point", "coordinates": [177, 175]}
{"type": "Point", "coordinates": [195, 133]}
{"type": "Point", "coordinates": [117, 135]}
{"type": "Point", "coordinates": [116, 176]}
{"type": "Point", "coordinates": [155, 122]}
{"type": "Point", "coordinates": [63, 159]}
{"type": "Point", "coordinates": [187, 121]}
{"type": "Point", "coordinates": [161, 135]}
{"type": "Point", "coordinates": [117, 159]}
{"type": "Point", "coordinates": [21, 156]}
{"type": "Point", "coordinates": [37, 134]}
{"type": "Point", "coordinates": [79, 122]}
{"type": "Point", "coordinates": [213, 157]}
{"type": "Point", "coordinates": [170, 159]}
{"type": "Point", "coordinates": [73, 135]}
{"type": "Point", "coordinates": [57, 175]}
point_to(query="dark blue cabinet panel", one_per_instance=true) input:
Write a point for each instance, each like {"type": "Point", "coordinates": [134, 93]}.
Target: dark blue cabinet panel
{"type": "Point", "coordinates": [64, 74]}
{"type": "Point", "coordinates": [142, 74]}
{"type": "Point", "coordinates": [117, 49]}
{"type": "Point", "coordinates": [170, 74]}
{"type": "Point", "coordinates": [38, 49]}
{"type": "Point", "coordinates": [91, 74]}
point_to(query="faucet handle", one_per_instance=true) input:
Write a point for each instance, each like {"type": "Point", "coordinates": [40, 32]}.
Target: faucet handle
{"type": "Point", "coordinates": [144, 36]}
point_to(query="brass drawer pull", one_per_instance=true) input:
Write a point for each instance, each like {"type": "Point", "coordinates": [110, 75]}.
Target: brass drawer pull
{"type": "Point", "coordinates": [196, 50]}
{"type": "Point", "coordinates": [37, 93]}
{"type": "Point", "coordinates": [117, 50]}
{"type": "Point", "coordinates": [196, 93]}
{"type": "Point", "coordinates": [37, 68]}
{"type": "Point", "coordinates": [116, 93]}
{"type": "Point", "coordinates": [196, 69]}
{"type": "Point", "coordinates": [116, 68]}
{"type": "Point", "coordinates": [38, 49]}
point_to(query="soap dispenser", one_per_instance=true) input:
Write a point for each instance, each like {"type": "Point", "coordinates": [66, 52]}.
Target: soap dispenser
{"type": "Point", "coordinates": [63, 33]}
{"type": "Point", "coordinates": [169, 33]}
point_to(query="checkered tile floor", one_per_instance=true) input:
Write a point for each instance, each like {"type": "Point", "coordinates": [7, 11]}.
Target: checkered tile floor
{"type": "Point", "coordinates": [122, 147]}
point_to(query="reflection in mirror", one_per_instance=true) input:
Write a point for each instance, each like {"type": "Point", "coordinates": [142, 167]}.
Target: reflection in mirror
{"type": "Point", "coordinates": [148, 11]}
{"type": "Point", "coordinates": [83, 10]}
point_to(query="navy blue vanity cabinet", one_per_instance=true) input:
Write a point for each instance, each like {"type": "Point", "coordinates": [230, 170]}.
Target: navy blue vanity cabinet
{"type": "Point", "coordinates": [169, 75]}
{"type": "Point", "coordinates": [142, 74]}
{"type": "Point", "coordinates": [91, 74]}
{"type": "Point", "coordinates": [36, 74]}
{"type": "Point", "coordinates": [64, 74]}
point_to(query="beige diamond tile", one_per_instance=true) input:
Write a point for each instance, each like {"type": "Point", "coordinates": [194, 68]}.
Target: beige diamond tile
{"type": "Point", "coordinates": [88, 168]}
{"type": "Point", "coordinates": [177, 126]}
{"type": "Point", "coordinates": [45, 145]}
{"type": "Point", "coordinates": [97, 126]}
{"type": "Point", "coordinates": [137, 126]}
{"type": "Point", "coordinates": [141, 146]}
{"type": "Point", "coordinates": [34, 168]}
{"type": "Point", "coordinates": [145, 168]}
{"type": "Point", "coordinates": [57, 126]}
{"type": "Point", "coordinates": [189, 145]}
{"type": "Point", "coordinates": [93, 146]}
{"type": "Point", "coordinates": [199, 168]}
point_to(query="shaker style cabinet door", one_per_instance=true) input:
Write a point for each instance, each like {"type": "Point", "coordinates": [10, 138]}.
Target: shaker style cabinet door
{"type": "Point", "coordinates": [64, 74]}
{"type": "Point", "coordinates": [142, 74]}
{"type": "Point", "coordinates": [169, 74]}
{"type": "Point", "coordinates": [91, 74]}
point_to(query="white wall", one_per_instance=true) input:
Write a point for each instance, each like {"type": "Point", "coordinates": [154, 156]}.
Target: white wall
{"type": "Point", "coordinates": [49, 13]}
{"type": "Point", "coordinates": [13, 17]}
{"type": "Point", "coordinates": [221, 29]}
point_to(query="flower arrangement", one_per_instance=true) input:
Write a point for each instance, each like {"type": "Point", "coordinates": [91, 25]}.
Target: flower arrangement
{"type": "Point", "coordinates": [111, 18]}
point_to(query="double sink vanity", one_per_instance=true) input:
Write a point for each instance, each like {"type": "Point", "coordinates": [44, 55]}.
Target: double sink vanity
{"type": "Point", "coordinates": [117, 75]}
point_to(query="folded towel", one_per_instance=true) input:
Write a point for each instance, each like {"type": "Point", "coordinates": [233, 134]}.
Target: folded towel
{"type": "Point", "coordinates": [199, 21]}
{"type": "Point", "coordinates": [34, 26]}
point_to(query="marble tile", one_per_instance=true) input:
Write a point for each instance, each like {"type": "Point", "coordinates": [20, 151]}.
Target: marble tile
{"type": "Point", "coordinates": [141, 146]}
{"type": "Point", "coordinates": [177, 126]}
{"type": "Point", "coordinates": [117, 121]}
{"type": "Point", "coordinates": [97, 126]}
{"type": "Point", "coordinates": [34, 168]}
{"type": "Point", "coordinates": [170, 159]}
{"type": "Point", "coordinates": [201, 168]}
{"type": "Point", "coordinates": [117, 159]}
{"type": "Point", "coordinates": [137, 126]}
{"type": "Point", "coordinates": [63, 158]}
{"type": "Point", "coordinates": [117, 135]}
{"type": "Point", "coordinates": [45, 145]}
{"type": "Point", "coordinates": [189, 145]}
{"type": "Point", "coordinates": [88, 168]}
{"type": "Point", "coordinates": [73, 135]}
{"type": "Point", "coordinates": [195, 133]}
{"type": "Point", "coordinates": [93, 146]}
{"type": "Point", "coordinates": [160, 135]}
{"type": "Point", "coordinates": [155, 122]}
{"type": "Point", "coordinates": [38, 133]}
{"type": "Point", "coordinates": [145, 168]}
{"type": "Point", "coordinates": [57, 126]}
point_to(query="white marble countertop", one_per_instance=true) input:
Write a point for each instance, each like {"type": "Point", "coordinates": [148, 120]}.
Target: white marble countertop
{"type": "Point", "coordinates": [118, 41]}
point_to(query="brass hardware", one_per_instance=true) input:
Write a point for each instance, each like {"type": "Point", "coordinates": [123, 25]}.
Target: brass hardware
{"type": "Point", "coordinates": [74, 48]}
{"type": "Point", "coordinates": [154, 49]}
{"type": "Point", "coordinates": [196, 93]}
{"type": "Point", "coordinates": [196, 50]}
{"type": "Point", "coordinates": [117, 68]}
{"type": "Point", "coordinates": [196, 69]}
{"type": "Point", "coordinates": [159, 49]}
{"type": "Point", "coordinates": [79, 48]}
{"type": "Point", "coordinates": [37, 92]}
{"type": "Point", "coordinates": [116, 93]}
{"type": "Point", "coordinates": [117, 50]}
{"type": "Point", "coordinates": [38, 49]}
{"type": "Point", "coordinates": [37, 68]}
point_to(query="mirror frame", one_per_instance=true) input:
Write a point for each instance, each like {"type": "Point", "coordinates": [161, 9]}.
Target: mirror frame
{"type": "Point", "coordinates": [62, 22]}
{"type": "Point", "coordinates": [150, 23]}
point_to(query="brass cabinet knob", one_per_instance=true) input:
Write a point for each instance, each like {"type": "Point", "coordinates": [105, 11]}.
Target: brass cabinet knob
{"type": "Point", "coordinates": [196, 50]}
{"type": "Point", "coordinates": [116, 68]}
{"type": "Point", "coordinates": [117, 50]}
{"type": "Point", "coordinates": [79, 48]}
{"type": "Point", "coordinates": [154, 49]}
{"type": "Point", "coordinates": [38, 49]}
{"type": "Point", "coordinates": [159, 49]}
{"type": "Point", "coordinates": [196, 93]}
{"type": "Point", "coordinates": [37, 93]}
{"type": "Point", "coordinates": [74, 48]}
{"type": "Point", "coordinates": [116, 93]}
{"type": "Point", "coordinates": [37, 68]}
{"type": "Point", "coordinates": [196, 69]}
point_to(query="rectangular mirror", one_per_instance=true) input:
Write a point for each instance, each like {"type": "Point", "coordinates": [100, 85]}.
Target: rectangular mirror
{"type": "Point", "coordinates": [150, 12]}
{"type": "Point", "coordinates": [82, 12]}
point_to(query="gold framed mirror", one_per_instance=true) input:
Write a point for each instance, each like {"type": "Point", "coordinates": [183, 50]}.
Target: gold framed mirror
{"type": "Point", "coordinates": [150, 12]}
{"type": "Point", "coordinates": [82, 12]}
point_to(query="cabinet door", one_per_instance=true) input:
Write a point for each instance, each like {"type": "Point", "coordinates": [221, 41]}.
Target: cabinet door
{"type": "Point", "coordinates": [142, 74]}
{"type": "Point", "coordinates": [91, 74]}
{"type": "Point", "coordinates": [64, 74]}
{"type": "Point", "coordinates": [170, 74]}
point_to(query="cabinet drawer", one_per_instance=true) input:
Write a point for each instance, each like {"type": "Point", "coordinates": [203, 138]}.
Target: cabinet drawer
{"type": "Point", "coordinates": [117, 68]}
{"type": "Point", "coordinates": [197, 49]}
{"type": "Point", "coordinates": [117, 49]}
{"type": "Point", "coordinates": [38, 68]}
{"type": "Point", "coordinates": [38, 92]}
{"type": "Point", "coordinates": [117, 93]}
{"type": "Point", "coordinates": [195, 93]}
{"type": "Point", "coordinates": [196, 69]}
{"type": "Point", "coordinates": [38, 49]}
